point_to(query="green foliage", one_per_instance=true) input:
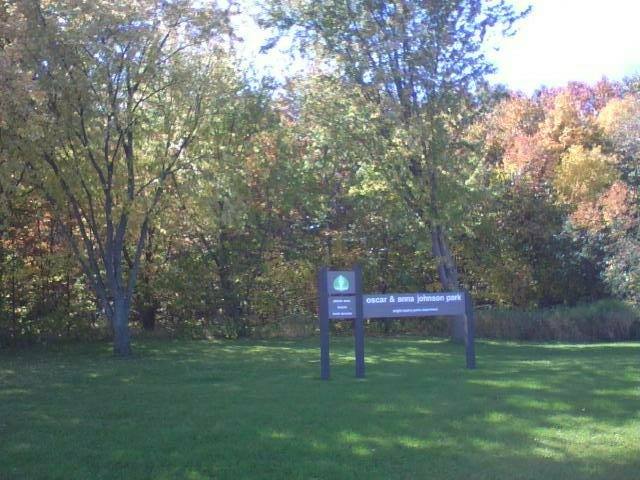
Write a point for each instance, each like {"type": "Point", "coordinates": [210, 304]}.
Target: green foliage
{"type": "Point", "coordinates": [523, 255]}
{"type": "Point", "coordinates": [562, 196]}
{"type": "Point", "coordinates": [43, 294]}
{"type": "Point", "coordinates": [421, 65]}
{"type": "Point", "coordinates": [117, 97]}
{"type": "Point", "coordinates": [135, 153]}
{"type": "Point", "coordinates": [620, 121]}
{"type": "Point", "coordinates": [622, 270]}
{"type": "Point", "coordinates": [583, 175]}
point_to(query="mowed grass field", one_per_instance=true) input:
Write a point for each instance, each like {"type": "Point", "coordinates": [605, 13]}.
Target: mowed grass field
{"type": "Point", "coordinates": [258, 410]}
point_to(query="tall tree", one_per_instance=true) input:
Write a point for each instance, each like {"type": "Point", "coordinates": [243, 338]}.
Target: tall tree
{"type": "Point", "coordinates": [119, 91]}
{"type": "Point", "coordinates": [227, 197]}
{"type": "Point", "coordinates": [420, 61]}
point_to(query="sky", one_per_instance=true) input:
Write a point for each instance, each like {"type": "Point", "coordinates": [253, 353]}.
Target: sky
{"type": "Point", "coordinates": [563, 40]}
{"type": "Point", "coordinates": [558, 42]}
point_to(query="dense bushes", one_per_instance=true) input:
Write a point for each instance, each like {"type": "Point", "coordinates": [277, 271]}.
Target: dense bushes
{"type": "Point", "coordinates": [605, 320]}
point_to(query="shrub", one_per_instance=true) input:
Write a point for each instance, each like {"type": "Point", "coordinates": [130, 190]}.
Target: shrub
{"type": "Point", "coordinates": [605, 320]}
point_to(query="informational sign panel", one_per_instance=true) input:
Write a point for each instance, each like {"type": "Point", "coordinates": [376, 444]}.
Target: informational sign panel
{"type": "Point", "coordinates": [398, 305]}
{"type": "Point", "coordinates": [342, 307]}
{"type": "Point", "coordinates": [341, 283]}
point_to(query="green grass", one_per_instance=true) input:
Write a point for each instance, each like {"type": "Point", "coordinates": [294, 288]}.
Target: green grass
{"type": "Point", "coordinates": [238, 410]}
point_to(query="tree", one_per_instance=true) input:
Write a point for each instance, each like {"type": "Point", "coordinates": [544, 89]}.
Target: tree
{"type": "Point", "coordinates": [118, 92]}
{"type": "Point", "coordinates": [620, 121]}
{"type": "Point", "coordinates": [583, 175]}
{"type": "Point", "coordinates": [228, 197]}
{"type": "Point", "coordinates": [420, 62]}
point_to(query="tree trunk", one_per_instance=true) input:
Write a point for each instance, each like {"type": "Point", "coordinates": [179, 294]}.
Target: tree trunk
{"type": "Point", "coordinates": [120, 322]}
{"type": "Point", "coordinates": [148, 304]}
{"type": "Point", "coordinates": [14, 305]}
{"type": "Point", "coordinates": [448, 274]}
{"type": "Point", "coordinates": [447, 270]}
{"type": "Point", "coordinates": [231, 301]}
{"type": "Point", "coordinates": [148, 316]}
{"type": "Point", "coordinates": [1, 283]}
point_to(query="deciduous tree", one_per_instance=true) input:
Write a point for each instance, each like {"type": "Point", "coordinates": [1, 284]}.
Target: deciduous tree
{"type": "Point", "coordinates": [118, 94]}
{"type": "Point", "coordinates": [420, 62]}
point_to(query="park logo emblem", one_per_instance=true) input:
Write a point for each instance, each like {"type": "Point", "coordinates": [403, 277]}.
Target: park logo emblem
{"type": "Point", "coordinates": [341, 284]}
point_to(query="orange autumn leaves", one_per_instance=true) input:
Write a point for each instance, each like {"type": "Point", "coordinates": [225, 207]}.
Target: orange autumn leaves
{"type": "Point", "coordinates": [583, 141]}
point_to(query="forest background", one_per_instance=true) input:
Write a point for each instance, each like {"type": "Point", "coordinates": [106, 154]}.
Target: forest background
{"type": "Point", "coordinates": [150, 182]}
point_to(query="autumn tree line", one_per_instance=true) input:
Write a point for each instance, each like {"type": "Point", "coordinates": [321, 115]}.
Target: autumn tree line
{"type": "Point", "coordinates": [148, 181]}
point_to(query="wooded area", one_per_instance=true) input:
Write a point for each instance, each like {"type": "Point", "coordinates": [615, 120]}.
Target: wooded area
{"type": "Point", "coordinates": [147, 179]}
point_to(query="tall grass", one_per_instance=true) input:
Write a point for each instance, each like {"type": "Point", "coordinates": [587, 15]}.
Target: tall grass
{"type": "Point", "coordinates": [605, 320]}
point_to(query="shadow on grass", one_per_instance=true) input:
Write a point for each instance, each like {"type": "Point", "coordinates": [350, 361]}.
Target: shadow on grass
{"type": "Point", "coordinates": [258, 410]}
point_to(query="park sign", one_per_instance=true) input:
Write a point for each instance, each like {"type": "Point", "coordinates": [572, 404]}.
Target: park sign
{"type": "Point", "coordinates": [399, 305]}
{"type": "Point", "coordinates": [341, 298]}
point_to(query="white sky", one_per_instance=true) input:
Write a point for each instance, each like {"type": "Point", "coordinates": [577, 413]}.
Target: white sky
{"type": "Point", "coordinates": [560, 41]}
{"type": "Point", "coordinates": [563, 40]}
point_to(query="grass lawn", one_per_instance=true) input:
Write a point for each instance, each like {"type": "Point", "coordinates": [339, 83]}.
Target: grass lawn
{"type": "Point", "coordinates": [195, 410]}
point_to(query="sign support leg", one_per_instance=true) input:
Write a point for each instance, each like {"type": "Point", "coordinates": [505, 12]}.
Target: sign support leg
{"type": "Point", "coordinates": [358, 329]}
{"type": "Point", "coordinates": [323, 316]}
{"type": "Point", "coordinates": [469, 332]}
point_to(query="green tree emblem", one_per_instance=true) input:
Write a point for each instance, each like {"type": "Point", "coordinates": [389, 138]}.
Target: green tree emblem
{"type": "Point", "coordinates": [340, 283]}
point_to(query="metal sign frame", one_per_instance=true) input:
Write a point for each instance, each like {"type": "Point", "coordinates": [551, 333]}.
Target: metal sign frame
{"type": "Point", "coordinates": [348, 303]}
